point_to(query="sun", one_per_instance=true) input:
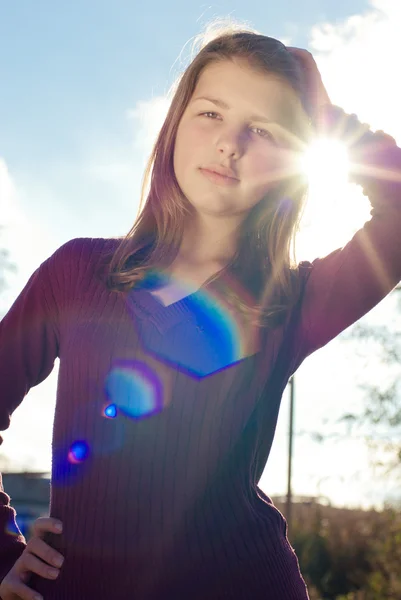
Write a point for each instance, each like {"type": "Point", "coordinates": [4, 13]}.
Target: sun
{"type": "Point", "coordinates": [325, 159]}
{"type": "Point", "coordinates": [335, 208]}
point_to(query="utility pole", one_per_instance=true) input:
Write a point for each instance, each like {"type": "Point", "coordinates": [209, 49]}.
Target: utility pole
{"type": "Point", "coordinates": [290, 443]}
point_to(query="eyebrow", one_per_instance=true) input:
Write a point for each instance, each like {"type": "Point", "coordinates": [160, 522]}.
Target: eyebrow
{"type": "Point", "coordinates": [222, 104]}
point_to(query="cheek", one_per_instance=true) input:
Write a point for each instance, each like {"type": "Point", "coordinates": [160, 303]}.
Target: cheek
{"type": "Point", "coordinates": [190, 138]}
{"type": "Point", "coordinates": [184, 150]}
{"type": "Point", "coordinates": [258, 172]}
{"type": "Point", "coordinates": [268, 167]}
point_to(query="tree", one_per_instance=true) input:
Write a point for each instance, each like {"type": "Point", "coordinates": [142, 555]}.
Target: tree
{"type": "Point", "coordinates": [378, 423]}
{"type": "Point", "coordinates": [382, 409]}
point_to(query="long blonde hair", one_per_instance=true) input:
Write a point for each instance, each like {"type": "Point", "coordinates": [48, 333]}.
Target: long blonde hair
{"type": "Point", "coordinates": [264, 262]}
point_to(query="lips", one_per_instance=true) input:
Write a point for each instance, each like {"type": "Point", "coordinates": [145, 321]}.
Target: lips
{"type": "Point", "coordinates": [220, 170]}
{"type": "Point", "coordinates": [218, 178]}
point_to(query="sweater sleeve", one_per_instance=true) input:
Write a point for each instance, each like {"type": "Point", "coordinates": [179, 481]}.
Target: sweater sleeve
{"type": "Point", "coordinates": [29, 340]}
{"type": "Point", "coordinates": [12, 542]}
{"type": "Point", "coordinates": [343, 286]}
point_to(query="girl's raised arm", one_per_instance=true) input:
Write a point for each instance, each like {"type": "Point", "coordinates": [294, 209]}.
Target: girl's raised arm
{"type": "Point", "coordinates": [346, 284]}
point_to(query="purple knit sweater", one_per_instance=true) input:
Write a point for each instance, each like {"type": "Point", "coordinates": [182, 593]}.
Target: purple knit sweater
{"type": "Point", "coordinates": [158, 444]}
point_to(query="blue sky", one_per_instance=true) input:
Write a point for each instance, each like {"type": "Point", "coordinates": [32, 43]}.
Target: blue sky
{"type": "Point", "coordinates": [71, 68]}
{"type": "Point", "coordinates": [83, 85]}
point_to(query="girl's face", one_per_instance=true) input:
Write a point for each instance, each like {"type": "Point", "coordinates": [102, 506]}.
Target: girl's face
{"type": "Point", "coordinates": [236, 122]}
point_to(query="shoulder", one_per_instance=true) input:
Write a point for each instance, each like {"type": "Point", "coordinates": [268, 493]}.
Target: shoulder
{"type": "Point", "coordinates": [83, 254]}
{"type": "Point", "coordinates": [80, 260]}
{"type": "Point", "coordinates": [85, 249]}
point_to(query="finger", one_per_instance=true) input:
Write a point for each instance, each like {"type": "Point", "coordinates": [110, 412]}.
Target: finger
{"type": "Point", "coordinates": [335, 122]}
{"type": "Point", "coordinates": [318, 95]}
{"type": "Point", "coordinates": [45, 524]}
{"type": "Point", "coordinates": [45, 552]}
{"type": "Point", "coordinates": [300, 52]}
{"type": "Point", "coordinates": [305, 57]}
{"type": "Point", "coordinates": [352, 130]}
{"type": "Point", "coordinates": [29, 563]}
{"type": "Point", "coordinates": [385, 136]}
{"type": "Point", "coordinates": [17, 589]}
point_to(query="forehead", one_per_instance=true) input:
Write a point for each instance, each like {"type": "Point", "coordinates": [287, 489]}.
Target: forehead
{"type": "Point", "coordinates": [249, 91]}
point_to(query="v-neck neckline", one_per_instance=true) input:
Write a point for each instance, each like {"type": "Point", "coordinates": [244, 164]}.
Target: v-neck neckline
{"type": "Point", "coordinates": [146, 306]}
{"type": "Point", "coordinates": [187, 296]}
{"type": "Point", "coordinates": [218, 276]}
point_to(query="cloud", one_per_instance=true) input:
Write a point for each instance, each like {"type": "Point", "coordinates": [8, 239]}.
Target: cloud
{"type": "Point", "coordinates": [121, 166]}
{"type": "Point", "coordinates": [10, 212]}
{"type": "Point", "coordinates": [22, 234]}
{"type": "Point", "coordinates": [359, 62]}
{"type": "Point", "coordinates": [146, 119]}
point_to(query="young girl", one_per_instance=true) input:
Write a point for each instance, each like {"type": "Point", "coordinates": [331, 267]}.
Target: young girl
{"type": "Point", "coordinates": [176, 342]}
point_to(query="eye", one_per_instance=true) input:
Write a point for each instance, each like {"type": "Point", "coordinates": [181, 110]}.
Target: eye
{"type": "Point", "coordinates": [264, 133]}
{"type": "Point", "coordinates": [208, 113]}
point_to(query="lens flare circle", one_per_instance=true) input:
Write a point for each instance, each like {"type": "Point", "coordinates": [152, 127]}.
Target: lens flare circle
{"type": "Point", "coordinates": [110, 411]}
{"type": "Point", "coordinates": [134, 389]}
{"type": "Point", "coordinates": [79, 451]}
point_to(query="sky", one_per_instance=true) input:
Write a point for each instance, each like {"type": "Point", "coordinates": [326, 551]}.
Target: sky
{"type": "Point", "coordinates": [83, 91]}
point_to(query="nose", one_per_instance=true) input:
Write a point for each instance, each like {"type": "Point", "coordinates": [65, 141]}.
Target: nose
{"type": "Point", "coordinates": [230, 142]}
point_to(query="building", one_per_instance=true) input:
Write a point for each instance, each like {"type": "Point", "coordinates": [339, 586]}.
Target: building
{"type": "Point", "coordinates": [30, 495]}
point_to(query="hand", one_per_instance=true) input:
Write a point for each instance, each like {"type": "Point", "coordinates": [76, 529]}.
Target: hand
{"type": "Point", "coordinates": [38, 557]}
{"type": "Point", "coordinates": [375, 164]}
{"type": "Point", "coordinates": [316, 92]}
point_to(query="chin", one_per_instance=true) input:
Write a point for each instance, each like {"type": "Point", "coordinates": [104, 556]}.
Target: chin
{"type": "Point", "coordinates": [219, 211]}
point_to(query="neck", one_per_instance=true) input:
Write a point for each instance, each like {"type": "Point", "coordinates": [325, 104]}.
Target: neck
{"type": "Point", "coordinates": [209, 240]}
{"type": "Point", "coordinates": [207, 246]}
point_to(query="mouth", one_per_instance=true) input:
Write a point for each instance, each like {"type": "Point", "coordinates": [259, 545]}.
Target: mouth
{"type": "Point", "coordinates": [218, 178]}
